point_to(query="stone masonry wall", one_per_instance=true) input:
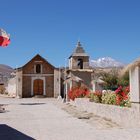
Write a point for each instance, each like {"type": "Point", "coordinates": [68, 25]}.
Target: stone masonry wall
{"type": "Point", "coordinates": [128, 117]}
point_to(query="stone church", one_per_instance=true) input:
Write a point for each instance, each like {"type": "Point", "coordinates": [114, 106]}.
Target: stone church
{"type": "Point", "coordinates": [79, 71]}
{"type": "Point", "coordinates": [40, 78]}
{"type": "Point", "coordinates": [37, 77]}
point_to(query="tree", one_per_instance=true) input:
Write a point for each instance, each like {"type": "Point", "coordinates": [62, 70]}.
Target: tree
{"type": "Point", "coordinates": [110, 79]}
{"type": "Point", "coordinates": [124, 80]}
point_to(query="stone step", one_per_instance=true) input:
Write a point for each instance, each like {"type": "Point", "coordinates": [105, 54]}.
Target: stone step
{"type": "Point", "coordinates": [39, 96]}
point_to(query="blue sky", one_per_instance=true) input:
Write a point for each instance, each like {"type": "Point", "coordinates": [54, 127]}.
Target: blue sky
{"type": "Point", "coordinates": [52, 28]}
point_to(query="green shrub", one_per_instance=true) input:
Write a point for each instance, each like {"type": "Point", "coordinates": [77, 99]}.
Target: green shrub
{"type": "Point", "coordinates": [126, 103]}
{"type": "Point", "coordinates": [97, 99]}
{"type": "Point", "coordinates": [91, 97]}
{"type": "Point", "coordinates": [110, 79]}
{"type": "Point", "coordinates": [123, 96]}
{"type": "Point", "coordinates": [96, 96]}
{"type": "Point", "coordinates": [124, 80]}
{"type": "Point", "coordinates": [109, 97]}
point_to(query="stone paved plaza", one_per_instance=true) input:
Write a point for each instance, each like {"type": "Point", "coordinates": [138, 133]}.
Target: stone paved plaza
{"type": "Point", "coordinates": [48, 119]}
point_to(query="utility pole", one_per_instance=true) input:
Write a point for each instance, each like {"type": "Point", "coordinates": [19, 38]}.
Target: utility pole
{"type": "Point", "coordinates": [65, 85]}
{"type": "Point", "coordinates": [17, 96]}
{"type": "Point", "coordinates": [59, 83]}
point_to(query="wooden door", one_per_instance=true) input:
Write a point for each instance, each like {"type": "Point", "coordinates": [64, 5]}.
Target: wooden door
{"type": "Point", "coordinates": [38, 87]}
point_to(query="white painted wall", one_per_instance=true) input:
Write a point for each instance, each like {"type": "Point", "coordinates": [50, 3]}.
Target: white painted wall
{"type": "Point", "coordinates": [93, 86]}
{"type": "Point", "coordinates": [57, 82]}
{"type": "Point", "coordinates": [11, 88]}
{"type": "Point", "coordinates": [96, 86]}
{"type": "Point", "coordinates": [70, 63]}
{"type": "Point", "coordinates": [134, 75]}
{"type": "Point", "coordinates": [19, 84]}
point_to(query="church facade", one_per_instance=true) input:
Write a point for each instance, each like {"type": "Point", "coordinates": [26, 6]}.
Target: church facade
{"type": "Point", "coordinates": [37, 78]}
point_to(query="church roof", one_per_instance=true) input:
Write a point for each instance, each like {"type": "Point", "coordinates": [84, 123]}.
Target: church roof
{"type": "Point", "coordinates": [79, 51]}
{"type": "Point", "coordinates": [35, 57]}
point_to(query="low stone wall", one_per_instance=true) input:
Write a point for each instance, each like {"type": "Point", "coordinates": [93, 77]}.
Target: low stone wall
{"type": "Point", "coordinates": [121, 115]}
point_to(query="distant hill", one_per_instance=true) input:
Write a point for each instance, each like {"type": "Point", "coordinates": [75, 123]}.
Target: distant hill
{"type": "Point", "coordinates": [5, 69]}
{"type": "Point", "coordinates": [5, 73]}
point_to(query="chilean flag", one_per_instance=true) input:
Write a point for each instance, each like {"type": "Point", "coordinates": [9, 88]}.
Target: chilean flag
{"type": "Point", "coordinates": [4, 38]}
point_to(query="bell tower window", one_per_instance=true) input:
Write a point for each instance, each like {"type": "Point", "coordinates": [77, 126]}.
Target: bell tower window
{"type": "Point", "coordinates": [38, 68]}
{"type": "Point", "coordinates": [80, 63]}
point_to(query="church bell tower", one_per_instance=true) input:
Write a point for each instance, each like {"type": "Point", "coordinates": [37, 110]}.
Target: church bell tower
{"type": "Point", "coordinates": [79, 59]}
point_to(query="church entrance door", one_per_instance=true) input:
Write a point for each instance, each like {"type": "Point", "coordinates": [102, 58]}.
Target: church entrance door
{"type": "Point", "coordinates": [38, 87]}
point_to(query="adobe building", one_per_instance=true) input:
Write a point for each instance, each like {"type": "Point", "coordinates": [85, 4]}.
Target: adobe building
{"type": "Point", "coordinates": [37, 77]}
{"type": "Point", "coordinates": [79, 72]}
{"type": "Point", "coordinates": [40, 78]}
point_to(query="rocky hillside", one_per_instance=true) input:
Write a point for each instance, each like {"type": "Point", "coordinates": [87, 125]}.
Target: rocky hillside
{"type": "Point", "coordinates": [5, 72]}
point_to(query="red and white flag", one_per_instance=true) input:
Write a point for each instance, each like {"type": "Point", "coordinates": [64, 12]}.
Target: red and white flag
{"type": "Point", "coordinates": [4, 38]}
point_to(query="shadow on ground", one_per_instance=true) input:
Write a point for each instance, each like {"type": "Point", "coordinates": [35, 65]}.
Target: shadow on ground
{"type": "Point", "coordinates": [9, 133]}
{"type": "Point", "coordinates": [32, 103]}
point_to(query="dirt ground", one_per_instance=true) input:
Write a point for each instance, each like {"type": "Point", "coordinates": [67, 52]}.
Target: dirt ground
{"type": "Point", "coordinates": [50, 119]}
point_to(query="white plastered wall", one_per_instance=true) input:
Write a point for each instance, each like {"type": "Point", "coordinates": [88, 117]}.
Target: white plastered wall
{"type": "Point", "coordinates": [134, 75]}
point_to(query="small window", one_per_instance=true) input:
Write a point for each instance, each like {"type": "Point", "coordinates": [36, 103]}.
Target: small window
{"type": "Point", "coordinates": [38, 68]}
{"type": "Point", "coordinates": [80, 63]}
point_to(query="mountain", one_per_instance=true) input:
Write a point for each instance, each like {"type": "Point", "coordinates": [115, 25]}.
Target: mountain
{"type": "Point", "coordinates": [106, 62]}
{"type": "Point", "coordinates": [4, 69]}
{"type": "Point", "coordinates": [5, 73]}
